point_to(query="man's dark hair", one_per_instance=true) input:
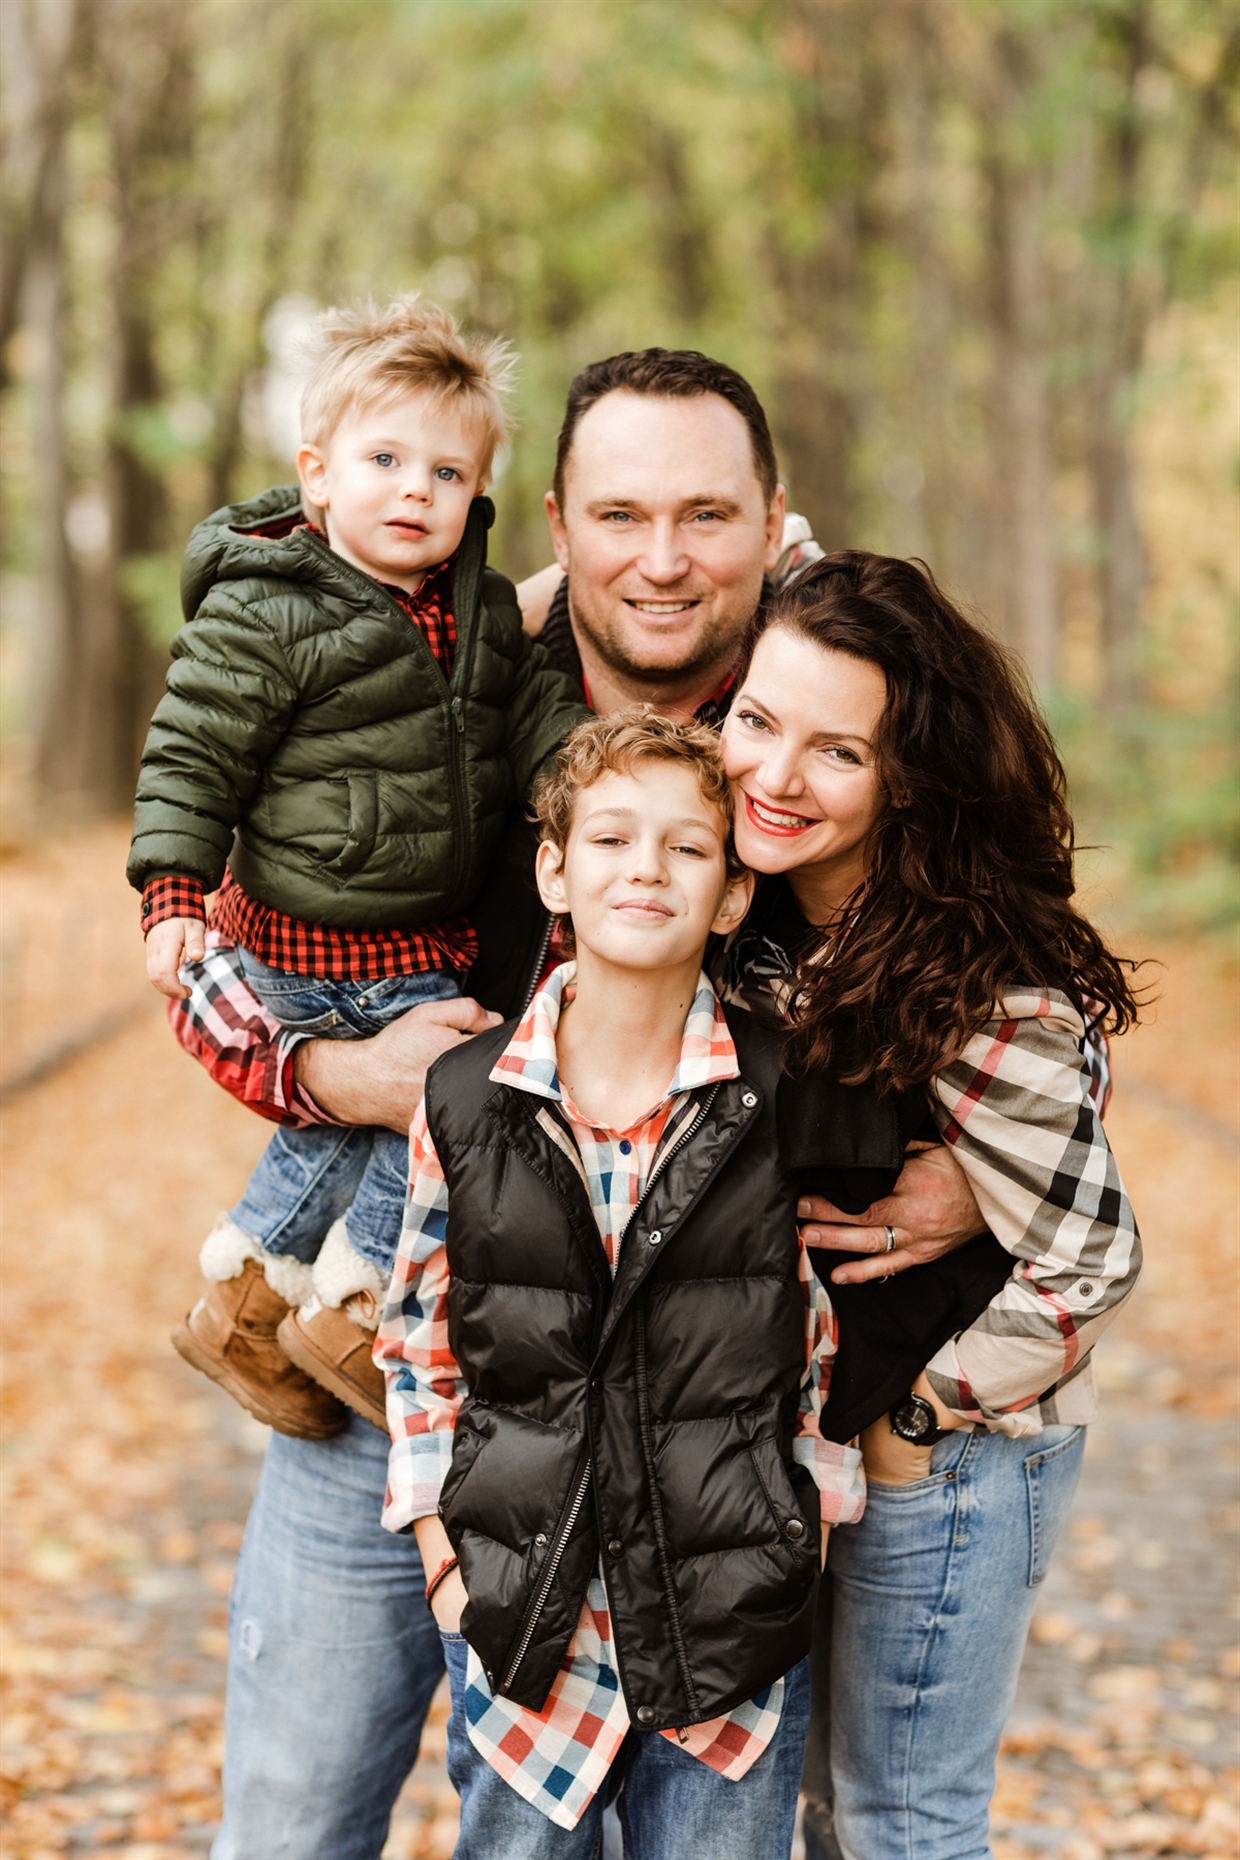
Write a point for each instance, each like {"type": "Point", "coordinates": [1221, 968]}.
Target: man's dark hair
{"type": "Point", "coordinates": [672, 374]}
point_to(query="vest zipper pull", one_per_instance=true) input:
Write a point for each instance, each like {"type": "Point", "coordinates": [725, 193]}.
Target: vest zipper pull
{"type": "Point", "coordinates": [458, 712]}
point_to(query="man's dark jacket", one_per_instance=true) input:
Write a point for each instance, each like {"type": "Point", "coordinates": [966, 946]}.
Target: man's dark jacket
{"type": "Point", "coordinates": [649, 1420]}
{"type": "Point", "coordinates": [308, 717]}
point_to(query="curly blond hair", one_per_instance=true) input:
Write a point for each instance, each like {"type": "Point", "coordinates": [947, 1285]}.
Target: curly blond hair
{"type": "Point", "coordinates": [612, 746]}
{"type": "Point", "coordinates": [368, 354]}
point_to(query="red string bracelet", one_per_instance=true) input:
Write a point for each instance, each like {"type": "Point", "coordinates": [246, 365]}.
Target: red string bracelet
{"type": "Point", "coordinates": [445, 1569]}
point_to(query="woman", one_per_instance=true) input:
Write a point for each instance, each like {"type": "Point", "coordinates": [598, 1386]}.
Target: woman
{"type": "Point", "coordinates": [897, 784]}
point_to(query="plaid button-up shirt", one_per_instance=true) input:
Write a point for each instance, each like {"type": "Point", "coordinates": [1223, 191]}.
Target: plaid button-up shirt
{"type": "Point", "coordinates": [558, 1757]}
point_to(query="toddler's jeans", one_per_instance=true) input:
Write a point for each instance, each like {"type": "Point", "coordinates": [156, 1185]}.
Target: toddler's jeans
{"type": "Point", "coordinates": [306, 1179]}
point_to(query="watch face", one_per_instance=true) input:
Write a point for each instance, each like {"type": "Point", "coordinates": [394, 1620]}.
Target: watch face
{"type": "Point", "coordinates": [914, 1419]}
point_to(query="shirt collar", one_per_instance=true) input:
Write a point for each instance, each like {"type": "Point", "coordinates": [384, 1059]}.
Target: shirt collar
{"type": "Point", "coordinates": [707, 1052]}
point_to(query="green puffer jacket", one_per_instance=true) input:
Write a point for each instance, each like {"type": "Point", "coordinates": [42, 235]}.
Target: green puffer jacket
{"type": "Point", "coordinates": [306, 716]}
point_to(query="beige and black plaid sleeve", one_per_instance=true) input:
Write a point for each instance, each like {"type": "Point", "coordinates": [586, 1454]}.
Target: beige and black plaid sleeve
{"type": "Point", "coordinates": [1017, 1110]}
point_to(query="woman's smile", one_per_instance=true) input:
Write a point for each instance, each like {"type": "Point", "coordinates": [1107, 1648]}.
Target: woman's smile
{"type": "Point", "coordinates": [776, 820]}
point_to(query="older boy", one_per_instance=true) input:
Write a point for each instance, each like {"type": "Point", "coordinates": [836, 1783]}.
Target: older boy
{"type": "Point", "coordinates": [351, 712]}
{"type": "Point", "coordinates": [608, 1352]}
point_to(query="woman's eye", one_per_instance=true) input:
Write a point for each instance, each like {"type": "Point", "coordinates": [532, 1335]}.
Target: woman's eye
{"type": "Point", "coordinates": [751, 720]}
{"type": "Point", "coordinates": [844, 755]}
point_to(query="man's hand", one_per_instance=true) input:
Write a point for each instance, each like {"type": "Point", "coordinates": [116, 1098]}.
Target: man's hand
{"type": "Point", "coordinates": [168, 945]}
{"type": "Point", "coordinates": [380, 1081]}
{"type": "Point", "coordinates": [931, 1209]}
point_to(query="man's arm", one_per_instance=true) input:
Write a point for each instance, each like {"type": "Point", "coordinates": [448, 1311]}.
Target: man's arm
{"type": "Point", "coordinates": [291, 1080]}
{"type": "Point", "coordinates": [932, 1210]}
{"type": "Point", "coordinates": [535, 595]}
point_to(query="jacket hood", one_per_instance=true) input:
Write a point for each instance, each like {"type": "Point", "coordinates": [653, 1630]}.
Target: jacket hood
{"type": "Point", "coordinates": [260, 537]}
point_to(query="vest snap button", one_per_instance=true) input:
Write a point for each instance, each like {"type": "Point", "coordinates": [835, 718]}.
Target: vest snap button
{"type": "Point", "coordinates": [645, 1714]}
{"type": "Point", "coordinates": [795, 1528]}
{"type": "Point", "coordinates": [654, 1240]}
{"type": "Point", "coordinates": [749, 1099]}
{"type": "Point", "coordinates": [615, 1547]}
{"type": "Point", "coordinates": [542, 1540]}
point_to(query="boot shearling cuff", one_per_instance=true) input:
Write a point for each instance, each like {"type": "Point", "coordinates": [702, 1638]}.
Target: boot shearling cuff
{"type": "Point", "coordinates": [340, 1271]}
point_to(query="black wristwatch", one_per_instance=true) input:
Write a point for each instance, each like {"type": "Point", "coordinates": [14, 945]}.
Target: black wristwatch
{"type": "Point", "coordinates": [914, 1418]}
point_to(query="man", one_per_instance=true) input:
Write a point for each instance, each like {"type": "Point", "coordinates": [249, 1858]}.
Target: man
{"type": "Point", "coordinates": [667, 515]}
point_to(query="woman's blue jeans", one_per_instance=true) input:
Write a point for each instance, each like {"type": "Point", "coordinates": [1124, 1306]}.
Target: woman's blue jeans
{"type": "Point", "coordinates": [921, 1628]}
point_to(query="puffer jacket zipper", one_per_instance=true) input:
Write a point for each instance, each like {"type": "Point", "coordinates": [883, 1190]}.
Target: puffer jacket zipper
{"type": "Point", "coordinates": [574, 1510]}
{"type": "Point", "coordinates": [540, 963]}
{"type": "Point", "coordinates": [544, 1587]}
{"type": "Point", "coordinates": [468, 584]}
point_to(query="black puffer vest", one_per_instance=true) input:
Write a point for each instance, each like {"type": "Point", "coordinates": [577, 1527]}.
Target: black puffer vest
{"type": "Point", "coordinates": [649, 1419]}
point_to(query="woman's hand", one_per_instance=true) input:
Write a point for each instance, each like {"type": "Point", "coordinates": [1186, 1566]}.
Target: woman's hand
{"type": "Point", "coordinates": [888, 1458]}
{"type": "Point", "coordinates": [448, 1603]}
{"type": "Point", "coordinates": [931, 1211]}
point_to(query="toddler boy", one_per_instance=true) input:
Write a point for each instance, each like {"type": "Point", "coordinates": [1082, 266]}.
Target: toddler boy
{"type": "Point", "coordinates": [607, 1351]}
{"type": "Point", "coordinates": [351, 711]}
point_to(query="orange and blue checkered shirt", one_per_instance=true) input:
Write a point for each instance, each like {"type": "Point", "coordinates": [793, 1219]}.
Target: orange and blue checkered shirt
{"type": "Point", "coordinates": [558, 1758]}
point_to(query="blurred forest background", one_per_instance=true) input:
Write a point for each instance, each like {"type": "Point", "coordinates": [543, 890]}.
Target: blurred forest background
{"type": "Point", "coordinates": [978, 256]}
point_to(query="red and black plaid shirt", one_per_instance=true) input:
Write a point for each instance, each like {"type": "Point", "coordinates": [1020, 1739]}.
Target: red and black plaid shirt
{"type": "Point", "coordinates": [285, 942]}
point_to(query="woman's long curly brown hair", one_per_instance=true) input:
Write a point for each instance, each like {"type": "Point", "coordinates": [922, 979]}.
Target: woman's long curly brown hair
{"type": "Point", "coordinates": [968, 888]}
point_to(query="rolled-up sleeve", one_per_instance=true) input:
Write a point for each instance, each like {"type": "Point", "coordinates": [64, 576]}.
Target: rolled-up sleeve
{"type": "Point", "coordinates": [1018, 1109]}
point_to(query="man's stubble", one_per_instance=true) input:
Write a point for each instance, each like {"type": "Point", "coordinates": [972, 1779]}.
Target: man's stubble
{"type": "Point", "coordinates": [714, 647]}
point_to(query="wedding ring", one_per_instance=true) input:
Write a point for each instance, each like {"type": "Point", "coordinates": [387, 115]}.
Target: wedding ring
{"type": "Point", "coordinates": [891, 1239]}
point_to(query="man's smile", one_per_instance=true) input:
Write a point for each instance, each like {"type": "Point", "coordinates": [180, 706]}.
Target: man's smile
{"type": "Point", "coordinates": [664, 609]}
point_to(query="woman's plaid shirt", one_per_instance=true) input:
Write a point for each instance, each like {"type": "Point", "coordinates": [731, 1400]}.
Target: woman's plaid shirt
{"type": "Point", "coordinates": [558, 1757]}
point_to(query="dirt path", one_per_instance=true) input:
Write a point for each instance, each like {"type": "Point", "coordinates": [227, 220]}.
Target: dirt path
{"type": "Point", "coordinates": [128, 1478]}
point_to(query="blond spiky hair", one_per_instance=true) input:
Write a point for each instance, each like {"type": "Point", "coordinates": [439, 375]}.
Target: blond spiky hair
{"type": "Point", "coordinates": [368, 354]}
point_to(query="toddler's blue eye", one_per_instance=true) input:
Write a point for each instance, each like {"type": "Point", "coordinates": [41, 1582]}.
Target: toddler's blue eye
{"type": "Point", "coordinates": [385, 458]}
{"type": "Point", "coordinates": [447, 473]}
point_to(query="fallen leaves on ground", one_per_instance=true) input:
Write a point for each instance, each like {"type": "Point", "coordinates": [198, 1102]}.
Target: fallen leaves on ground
{"type": "Point", "coordinates": [127, 1478]}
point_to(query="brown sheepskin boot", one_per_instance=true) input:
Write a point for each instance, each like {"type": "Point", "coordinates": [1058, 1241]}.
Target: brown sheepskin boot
{"type": "Point", "coordinates": [334, 1346]}
{"type": "Point", "coordinates": [230, 1335]}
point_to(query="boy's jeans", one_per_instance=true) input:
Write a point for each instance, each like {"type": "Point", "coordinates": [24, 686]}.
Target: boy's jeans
{"type": "Point", "coordinates": [917, 1648]}
{"type": "Point", "coordinates": [671, 1805]}
{"type": "Point", "coordinates": [306, 1179]}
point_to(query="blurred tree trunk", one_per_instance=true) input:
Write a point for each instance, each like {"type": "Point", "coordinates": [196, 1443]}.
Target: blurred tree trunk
{"type": "Point", "coordinates": [822, 389]}
{"type": "Point", "coordinates": [287, 175]}
{"type": "Point", "coordinates": [61, 726]}
{"type": "Point", "coordinates": [65, 717]}
{"type": "Point", "coordinates": [150, 101]}
{"type": "Point", "coordinates": [1122, 307]}
{"type": "Point", "coordinates": [39, 43]}
{"type": "Point", "coordinates": [1023, 577]}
